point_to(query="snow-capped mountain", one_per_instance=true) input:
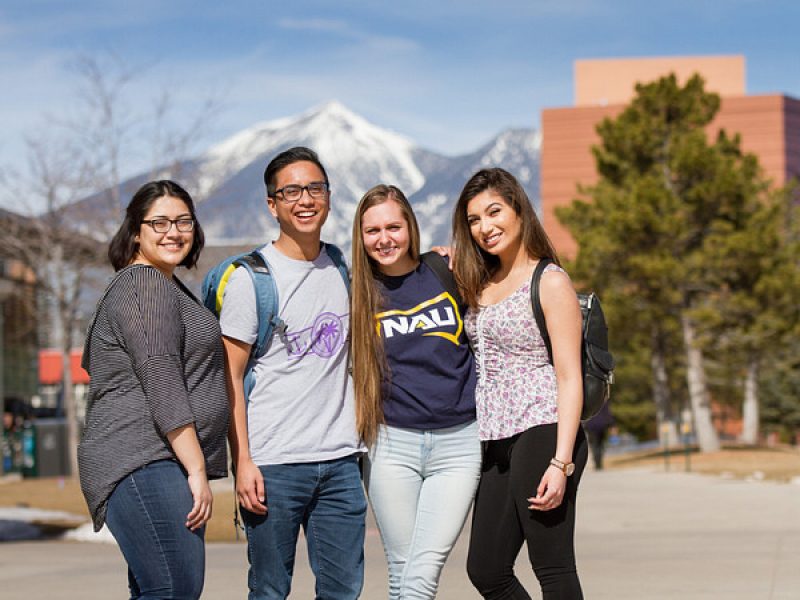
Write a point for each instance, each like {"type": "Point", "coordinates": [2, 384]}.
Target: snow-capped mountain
{"type": "Point", "coordinates": [227, 179]}
{"type": "Point", "coordinates": [516, 150]}
{"type": "Point", "coordinates": [357, 155]}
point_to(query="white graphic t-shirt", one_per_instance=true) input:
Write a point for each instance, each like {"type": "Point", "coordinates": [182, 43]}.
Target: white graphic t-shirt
{"type": "Point", "coordinates": [301, 408]}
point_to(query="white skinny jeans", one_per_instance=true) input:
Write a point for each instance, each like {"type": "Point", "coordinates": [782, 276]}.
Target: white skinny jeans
{"type": "Point", "coordinates": [421, 485]}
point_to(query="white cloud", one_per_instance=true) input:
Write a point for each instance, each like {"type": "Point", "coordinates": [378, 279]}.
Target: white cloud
{"type": "Point", "coordinates": [329, 25]}
{"type": "Point", "coordinates": [345, 29]}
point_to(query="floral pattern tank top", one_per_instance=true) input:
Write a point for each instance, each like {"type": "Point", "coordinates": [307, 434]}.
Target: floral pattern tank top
{"type": "Point", "coordinates": [516, 387]}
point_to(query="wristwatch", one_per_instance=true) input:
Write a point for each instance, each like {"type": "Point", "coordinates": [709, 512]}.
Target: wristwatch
{"type": "Point", "coordinates": [566, 468]}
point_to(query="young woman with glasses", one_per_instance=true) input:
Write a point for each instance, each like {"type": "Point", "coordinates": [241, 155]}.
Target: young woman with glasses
{"type": "Point", "coordinates": [414, 382]}
{"type": "Point", "coordinates": [157, 412]}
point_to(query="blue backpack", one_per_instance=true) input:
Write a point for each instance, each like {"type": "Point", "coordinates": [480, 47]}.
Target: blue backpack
{"type": "Point", "coordinates": [212, 293]}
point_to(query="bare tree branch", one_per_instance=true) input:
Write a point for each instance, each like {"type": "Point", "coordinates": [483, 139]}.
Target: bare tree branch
{"type": "Point", "coordinates": [73, 192]}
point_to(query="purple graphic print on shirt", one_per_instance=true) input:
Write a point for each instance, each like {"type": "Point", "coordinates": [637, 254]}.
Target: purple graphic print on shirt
{"type": "Point", "coordinates": [324, 338]}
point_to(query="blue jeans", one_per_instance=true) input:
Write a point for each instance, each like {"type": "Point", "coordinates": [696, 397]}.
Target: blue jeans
{"type": "Point", "coordinates": [421, 485]}
{"type": "Point", "coordinates": [147, 515]}
{"type": "Point", "coordinates": [327, 499]}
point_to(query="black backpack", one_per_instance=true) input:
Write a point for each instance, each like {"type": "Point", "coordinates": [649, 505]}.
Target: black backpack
{"type": "Point", "coordinates": [438, 264]}
{"type": "Point", "coordinates": [597, 364]}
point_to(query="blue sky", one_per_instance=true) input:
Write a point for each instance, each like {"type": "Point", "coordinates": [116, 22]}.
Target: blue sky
{"type": "Point", "coordinates": [449, 74]}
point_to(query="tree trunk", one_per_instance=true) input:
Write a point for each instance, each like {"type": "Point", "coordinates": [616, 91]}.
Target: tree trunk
{"type": "Point", "coordinates": [667, 429]}
{"type": "Point", "coordinates": [62, 322]}
{"type": "Point", "coordinates": [70, 412]}
{"type": "Point", "coordinates": [699, 399]}
{"type": "Point", "coordinates": [750, 413]}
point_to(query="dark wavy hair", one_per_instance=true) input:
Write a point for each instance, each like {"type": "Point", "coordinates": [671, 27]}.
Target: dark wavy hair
{"type": "Point", "coordinates": [286, 158]}
{"type": "Point", "coordinates": [472, 265]}
{"type": "Point", "coordinates": [123, 247]}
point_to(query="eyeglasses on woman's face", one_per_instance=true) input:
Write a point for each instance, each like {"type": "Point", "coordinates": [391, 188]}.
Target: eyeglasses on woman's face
{"type": "Point", "coordinates": [163, 225]}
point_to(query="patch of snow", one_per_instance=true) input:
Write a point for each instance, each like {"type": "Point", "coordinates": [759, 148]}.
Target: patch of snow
{"type": "Point", "coordinates": [86, 533]}
{"type": "Point", "coordinates": [37, 515]}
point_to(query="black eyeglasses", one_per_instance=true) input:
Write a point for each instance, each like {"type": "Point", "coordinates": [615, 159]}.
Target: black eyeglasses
{"type": "Point", "coordinates": [183, 224]}
{"type": "Point", "coordinates": [293, 193]}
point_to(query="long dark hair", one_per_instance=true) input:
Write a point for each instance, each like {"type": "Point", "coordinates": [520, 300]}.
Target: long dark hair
{"type": "Point", "coordinates": [472, 266]}
{"type": "Point", "coordinates": [123, 247]}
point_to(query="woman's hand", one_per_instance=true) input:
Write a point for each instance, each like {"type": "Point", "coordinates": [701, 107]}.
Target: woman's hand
{"type": "Point", "coordinates": [203, 500]}
{"type": "Point", "coordinates": [447, 251]}
{"type": "Point", "coordinates": [187, 448]}
{"type": "Point", "coordinates": [550, 492]}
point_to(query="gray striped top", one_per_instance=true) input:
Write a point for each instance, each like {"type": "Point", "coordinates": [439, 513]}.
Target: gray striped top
{"type": "Point", "coordinates": [155, 358]}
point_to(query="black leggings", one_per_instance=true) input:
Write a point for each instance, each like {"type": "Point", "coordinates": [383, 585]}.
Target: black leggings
{"type": "Point", "coordinates": [511, 472]}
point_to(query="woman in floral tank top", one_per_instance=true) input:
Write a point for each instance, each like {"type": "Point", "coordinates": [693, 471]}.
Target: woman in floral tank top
{"type": "Point", "coordinates": [528, 410]}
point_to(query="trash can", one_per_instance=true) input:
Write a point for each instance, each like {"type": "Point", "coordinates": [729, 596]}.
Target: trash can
{"type": "Point", "coordinates": [45, 449]}
{"type": "Point", "coordinates": [28, 450]}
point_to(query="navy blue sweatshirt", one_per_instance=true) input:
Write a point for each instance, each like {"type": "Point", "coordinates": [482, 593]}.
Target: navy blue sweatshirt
{"type": "Point", "coordinates": [432, 373]}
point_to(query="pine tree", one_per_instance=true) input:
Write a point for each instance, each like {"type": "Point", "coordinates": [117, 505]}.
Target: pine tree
{"type": "Point", "coordinates": [751, 316]}
{"type": "Point", "coordinates": [669, 209]}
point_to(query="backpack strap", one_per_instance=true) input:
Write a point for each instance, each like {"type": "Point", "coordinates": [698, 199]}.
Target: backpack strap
{"type": "Point", "coordinates": [269, 321]}
{"type": "Point", "coordinates": [438, 264]}
{"type": "Point", "coordinates": [266, 300]}
{"type": "Point", "coordinates": [338, 259]}
{"type": "Point", "coordinates": [536, 304]}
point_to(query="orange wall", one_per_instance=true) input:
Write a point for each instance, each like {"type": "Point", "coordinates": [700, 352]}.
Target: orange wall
{"type": "Point", "coordinates": [769, 126]}
{"type": "Point", "coordinates": [566, 160]}
{"type": "Point", "coordinates": [600, 82]}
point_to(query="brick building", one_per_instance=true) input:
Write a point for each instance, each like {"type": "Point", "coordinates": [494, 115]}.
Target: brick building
{"type": "Point", "coordinates": [769, 124]}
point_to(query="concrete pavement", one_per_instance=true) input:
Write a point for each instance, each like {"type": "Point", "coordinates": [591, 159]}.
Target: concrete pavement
{"type": "Point", "coordinates": [641, 534]}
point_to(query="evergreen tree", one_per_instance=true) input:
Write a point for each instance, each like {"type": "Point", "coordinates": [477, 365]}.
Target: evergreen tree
{"type": "Point", "coordinates": [751, 317]}
{"type": "Point", "coordinates": [659, 226]}
{"type": "Point", "coordinates": [779, 325]}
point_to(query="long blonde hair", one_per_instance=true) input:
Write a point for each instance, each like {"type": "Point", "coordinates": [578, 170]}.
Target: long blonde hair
{"type": "Point", "coordinates": [370, 371]}
{"type": "Point", "coordinates": [473, 266]}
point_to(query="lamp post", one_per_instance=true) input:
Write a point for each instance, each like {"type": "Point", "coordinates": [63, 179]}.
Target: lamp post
{"type": "Point", "coordinates": [686, 431]}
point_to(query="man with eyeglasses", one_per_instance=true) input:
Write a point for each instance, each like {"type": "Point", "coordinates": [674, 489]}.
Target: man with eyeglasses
{"type": "Point", "coordinates": [294, 442]}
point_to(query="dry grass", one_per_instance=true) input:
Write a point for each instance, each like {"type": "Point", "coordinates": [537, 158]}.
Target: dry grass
{"type": "Point", "coordinates": [65, 495]}
{"type": "Point", "coordinates": [775, 464]}
{"type": "Point", "coordinates": [778, 464]}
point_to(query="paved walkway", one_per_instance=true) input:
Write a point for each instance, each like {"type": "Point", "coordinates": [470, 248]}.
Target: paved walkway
{"type": "Point", "coordinates": [642, 535]}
